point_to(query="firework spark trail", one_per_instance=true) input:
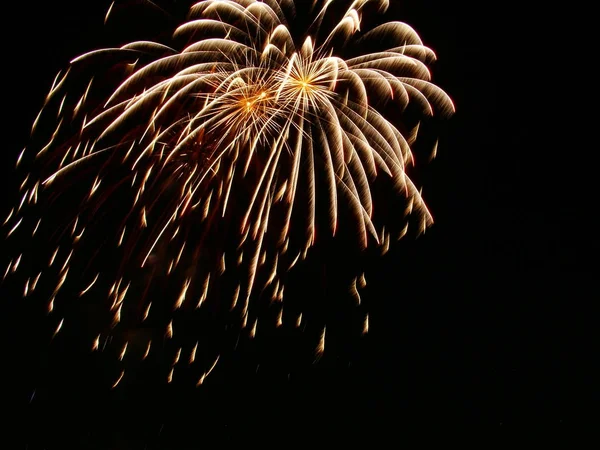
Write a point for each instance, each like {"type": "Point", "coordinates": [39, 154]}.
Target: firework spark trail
{"type": "Point", "coordinates": [249, 134]}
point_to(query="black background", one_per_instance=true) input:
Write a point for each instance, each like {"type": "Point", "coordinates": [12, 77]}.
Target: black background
{"type": "Point", "coordinates": [484, 323]}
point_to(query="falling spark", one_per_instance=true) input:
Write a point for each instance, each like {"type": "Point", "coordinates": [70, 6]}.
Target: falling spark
{"type": "Point", "coordinates": [144, 220]}
{"type": "Point", "coordinates": [206, 374]}
{"type": "Point", "coordinates": [121, 237]}
{"type": "Point", "coordinates": [26, 290]}
{"type": "Point", "coordinates": [58, 327]}
{"type": "Point", "coordinates": [7, 270]}
{"type": "Point", "coordinates": [193, 354]}
{"type": "Point", "coordinates": [118, 380]}
{"type": "Point", "coordinates": [16, 264]}
{"type": "Point", "coordinates": [20, 158]}
{"type": "Point", "coordinates": [96, 343]}
{"type": "Point", "coordinates": [122, 355]}
{"type": "Point", "coordinates": [147, 352]}
{"type": "Point", "coordinates": [214, 364]}
{"type": "Point", "coordinates": [177, 356]}
{"type": "Point", "coordinates": [12, 230]}
{"type": "Point", "coordinates": [354, 291]}
{"type": "Point", "coordinates": [362, 281]}
{"type": "Point", "coordinates": [434, 151]}
{"type": "Point", "coordinates": [82, 293]}
{"type": "Point", "coordinates": [53, 257]}
{"type": "Point", "coordinates": [146, 312]}
{"type": "Point", "coordinates": [321, 346]}
{"type": "Point", "coordinates": [108, 12]}
{"type": "Point", "coordinates": [117, 316]}
{"type": "Point", "coordinates": [35, 282]}
{"type": "Point", "coordinates": [37, 226]}
{"type": "Point", "coordinates": [236, 295]}
{"type": "Point", "coordinates": [9, 216]}
{"type": "Point", "coordinates": [184, 289]}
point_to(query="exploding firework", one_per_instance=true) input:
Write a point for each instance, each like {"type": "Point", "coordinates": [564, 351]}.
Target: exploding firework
{"type": "Point", "coordinates": [191, 178]}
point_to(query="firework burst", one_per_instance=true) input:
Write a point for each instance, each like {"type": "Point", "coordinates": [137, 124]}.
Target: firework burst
{"type": "Point", "coordinates": [205, 170]}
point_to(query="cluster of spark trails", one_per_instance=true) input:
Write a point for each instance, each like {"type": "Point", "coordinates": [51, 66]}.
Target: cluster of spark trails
{"type": "Point", "coordinates": [209, 169]}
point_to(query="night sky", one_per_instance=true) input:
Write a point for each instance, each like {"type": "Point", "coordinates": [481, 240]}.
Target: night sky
{"type": "Point", "coordinates": [485, 323]}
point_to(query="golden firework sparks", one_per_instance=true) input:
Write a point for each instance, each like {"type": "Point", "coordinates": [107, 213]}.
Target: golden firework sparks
{"type": "Point", "coordinates": [221, 158]}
